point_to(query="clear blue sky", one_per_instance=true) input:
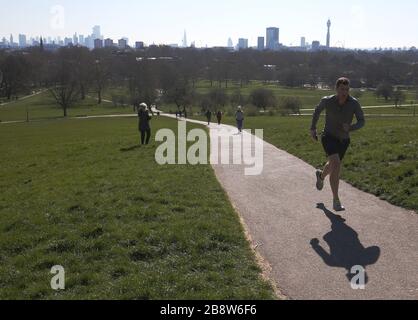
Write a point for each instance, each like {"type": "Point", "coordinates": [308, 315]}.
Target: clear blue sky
{"type": "Point", "coordinates": [360, 24]}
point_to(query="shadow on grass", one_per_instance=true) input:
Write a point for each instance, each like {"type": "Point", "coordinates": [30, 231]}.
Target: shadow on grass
{"type": "Point", "coordinates": [346, 250]}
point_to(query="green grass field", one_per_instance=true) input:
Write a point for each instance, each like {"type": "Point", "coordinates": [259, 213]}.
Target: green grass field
{"type": "Point", "coordinates": [382, 160]}
{"type": "Point", "coordinates": [309, 98]}
{"type": "Point", "coordinates": [43, 106]}
{"type": "Point", "coordinates": [82, 194]}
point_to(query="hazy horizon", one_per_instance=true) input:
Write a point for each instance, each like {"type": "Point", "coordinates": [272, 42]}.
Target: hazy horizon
{"type": "Point", "coordinates": [354, 25]}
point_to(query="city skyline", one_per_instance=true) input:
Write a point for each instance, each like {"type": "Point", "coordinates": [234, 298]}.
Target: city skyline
{"type": "Point", "coordinates": [357, 25]}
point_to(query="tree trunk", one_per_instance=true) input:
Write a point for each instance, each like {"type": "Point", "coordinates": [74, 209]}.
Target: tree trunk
{"type": "Point", "coordinates": [83, 92]}
{"type": "Point", "coordinates": [99, 97]}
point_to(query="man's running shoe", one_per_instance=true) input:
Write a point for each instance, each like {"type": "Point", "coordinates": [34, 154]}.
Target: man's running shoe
{"type": "Point", "coordinates": [319, 180]}
{"type": "Point", "coordinates": [338, 206]}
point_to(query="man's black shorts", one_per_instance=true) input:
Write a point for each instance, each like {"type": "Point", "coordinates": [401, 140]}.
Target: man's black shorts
{"type": "Point", "coordinates": [333, 145]}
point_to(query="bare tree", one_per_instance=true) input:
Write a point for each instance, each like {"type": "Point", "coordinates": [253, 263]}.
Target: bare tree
{"type": "Point", "coordinates": [65, 87]}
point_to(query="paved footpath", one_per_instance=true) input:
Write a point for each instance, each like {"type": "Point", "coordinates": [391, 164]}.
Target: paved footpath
{"type": "Point", "coordinates": [310, 249]}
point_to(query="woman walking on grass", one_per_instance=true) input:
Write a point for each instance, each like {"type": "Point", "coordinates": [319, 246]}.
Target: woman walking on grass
{"type": "Point", "coordinates": [144, 123]}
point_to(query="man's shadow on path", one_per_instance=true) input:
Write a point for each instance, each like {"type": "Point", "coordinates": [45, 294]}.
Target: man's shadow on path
{"type": "Point", "coordinates": [346, 250]}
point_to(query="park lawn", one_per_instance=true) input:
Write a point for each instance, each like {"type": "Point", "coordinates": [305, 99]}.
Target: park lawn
{"type": "Point", "coordinates": [309, 97]}
{"type": "Point", "coordinates": [382, 159]}
{"type": "Point", "coordinates": [82, 194]}
{"type": "Point", "coordinates": [43, 106]}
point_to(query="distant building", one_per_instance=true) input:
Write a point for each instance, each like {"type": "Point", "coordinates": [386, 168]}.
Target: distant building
{"type": "Point", "coordinates": [68, 42]}
{"type": "Point", "coordinates": [185, 39]}
{"type": "Point", "coordinates": [89, 42]}
{"type": "Point", "coordinates": [75, 39]}
{"type": "Point", "coordinates": [96, 33]}
{"type": "Point", "coordinates": [260, 43]}
{"type": "Point", "coordinates": [242, 43]}
{"type": "Point", "coordinates": [108, 43]}
{"type": "Point", "coordinates": [272, 39]}
{"type": "Point", "coordinates": [98, 43]}
{"type": "Point", "coordinates": [122, 44]}
{"type": "Point", "coordinates": [139, 45]}
{"type": "Point", "coordinates": [316, 45]}
{"type": "Point", "coordinates": [303, 42]}
{"type": "Point", "coordinates": [22, 40]}
{"type": "Point", "coordinates": [230, 43]}
{"type": "Point", "coordinates": [329, 33]}
{"type": "Point", "coordinates": [81, 40]}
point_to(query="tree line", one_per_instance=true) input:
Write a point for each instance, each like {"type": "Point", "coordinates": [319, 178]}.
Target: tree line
{"type": "Point", "coordinates": [161, 73]}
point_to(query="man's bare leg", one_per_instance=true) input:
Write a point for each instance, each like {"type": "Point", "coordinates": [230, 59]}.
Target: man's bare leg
{"type": "Point", "coordinates": [326, 171]}
{"type": "Point", "coordinates": [334, 168]}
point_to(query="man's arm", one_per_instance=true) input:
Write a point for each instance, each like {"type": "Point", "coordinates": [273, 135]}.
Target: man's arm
{"type": "Point", "coordinates": [318, 110]}
{"type": "Point", "coordinates": [361, 121]}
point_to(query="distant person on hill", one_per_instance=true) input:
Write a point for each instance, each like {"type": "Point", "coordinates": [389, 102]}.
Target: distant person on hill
{"type": "Point", "coordinates": [144, 123]}
{"type": "Point", "coordinates": [340, 111]}
{"type": "Point", "coordinates": [219, 117]}
{"type": "Point", "coordinates": [209, 116]}
{"type": "Point", "coordinates": [239, 116]}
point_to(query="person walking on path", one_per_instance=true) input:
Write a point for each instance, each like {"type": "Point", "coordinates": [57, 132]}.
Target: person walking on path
{"type": "Point", "coordinates": [340, 111]}
{"type": "Point", "coordinates": [219, 117]}
{"type": "Point", "coordinates": [239, 116]}
{"type": "Point", "coordinates": [144, 123]}
{"type": "Point", "coordinates": [208, 116]}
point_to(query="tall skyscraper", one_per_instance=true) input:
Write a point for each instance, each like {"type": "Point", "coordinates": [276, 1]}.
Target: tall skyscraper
{"type": "Point", "coordinates": [81, 40]}
{"type": "Point", "coordinates": [75, 39]}
{"type": "Point", "coordinates": [329, 33]}
{"type": "Point", "coordinates": [139, 45]}
{"type": "Point", "coordinates": [260, 43]}
{"type": "Point", "coordinates": [122, 43]}
{"type": "Point", "coordinates": [272, 38]}
{"type": "Point", "coordinates": [98, 43]}
{"type": "Point", "coordinates": [108, 43]}
{"type": "Point", "coordinates": [242, 43]}
{"type": "Point", "coordinates": [96, 33]}
{"type": "Point", "coordinates": [11, 40]}
{"type": "Point", "coordinates": [68, 41]}
{"type": "Point", "coordinates": [303, 42]}
{"type": "Point", "coordinates": [230, 43]}
{"type": "Point", "coordinates": [22, 40]}
{"type": "Point", "coordinates": [89, 42]}
{"type": "Point", "coordinates": [185, 39]}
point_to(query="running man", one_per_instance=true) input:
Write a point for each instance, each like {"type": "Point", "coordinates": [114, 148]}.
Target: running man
{"type": "Point", "coordinates": [340, 111]}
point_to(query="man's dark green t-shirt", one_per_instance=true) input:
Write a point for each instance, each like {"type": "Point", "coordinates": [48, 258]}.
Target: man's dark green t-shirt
{"type": "Point", "coordinates": [337, 115]}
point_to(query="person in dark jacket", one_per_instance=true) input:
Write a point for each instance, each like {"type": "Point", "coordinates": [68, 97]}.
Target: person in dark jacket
{"type": "Point", "coordinates": [219, 117]}
{"type": "Point", "coordinates": [239, 116]}
{"type": "Point", "coordinates": [144, 123]}
{"type": "Point", "coordinates": [209, 116]}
